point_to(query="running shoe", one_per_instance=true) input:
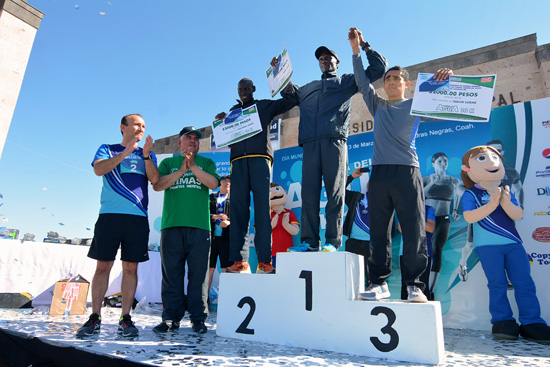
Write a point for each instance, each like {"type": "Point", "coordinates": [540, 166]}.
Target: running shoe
{"type": "Point", "coordinates": [126, 327]}
{"type": "Point", "coordinates": [239, 267]}
{"type": "Point", "coordinates": [91, 326]}
{"type": "Point", "coordinates": [375, 292]}
{"type": "Point", "coordinates": [265, 268]}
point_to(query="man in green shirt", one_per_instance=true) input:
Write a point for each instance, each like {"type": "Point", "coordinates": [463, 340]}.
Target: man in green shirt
{"type": "Point", "coordinates": [185, 232]}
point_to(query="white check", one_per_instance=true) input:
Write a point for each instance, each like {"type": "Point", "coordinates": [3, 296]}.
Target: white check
{"type": "Point", "coordinates": [279, 77]}
{"type": "Point", "coordinates": [238, 125]}
{"type": "Point", "coordinates": [459, 97]}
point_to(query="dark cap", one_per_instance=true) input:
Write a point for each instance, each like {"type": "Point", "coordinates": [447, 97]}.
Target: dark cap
{"type": "Point", "coordinates": [225, 177]}
{"type": "Point", "coordinates": [190, 129]}
{"type": "Point", "coordinates": [324, 50]}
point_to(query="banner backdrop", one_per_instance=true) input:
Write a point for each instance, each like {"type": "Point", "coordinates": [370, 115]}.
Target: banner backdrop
{"type": "Point", "coordinates": [523, 134]}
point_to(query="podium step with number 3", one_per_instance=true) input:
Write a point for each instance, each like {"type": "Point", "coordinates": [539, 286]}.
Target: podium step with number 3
{"type": "Point", "coordinates": [312, 303]}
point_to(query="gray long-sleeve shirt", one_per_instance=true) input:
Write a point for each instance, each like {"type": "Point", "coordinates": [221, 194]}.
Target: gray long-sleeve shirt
{"type": "Point", "coordinates": [394, 127]}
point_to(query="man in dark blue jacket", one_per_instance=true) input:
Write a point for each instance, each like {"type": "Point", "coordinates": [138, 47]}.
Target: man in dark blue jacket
{"type": "Point", "coordinates": [323, 132]}
{"type": "Point", "coordinates": [251, 161]}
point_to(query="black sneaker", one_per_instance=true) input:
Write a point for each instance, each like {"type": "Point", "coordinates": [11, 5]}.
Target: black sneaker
{"type": "Point", "coordinates": [166, 326]}
{"type": "Point", "coordinates": [126, 327]}
{"type": "Point", "coordinates": [91, 326]}
{"type": "Point", "coordinates": [199, 327]}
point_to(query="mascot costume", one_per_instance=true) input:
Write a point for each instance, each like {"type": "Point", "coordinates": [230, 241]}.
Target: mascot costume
{"type": "Point", "coordinates": [492, 210]}
{"type": "Point", "coordinates": [284, 224]}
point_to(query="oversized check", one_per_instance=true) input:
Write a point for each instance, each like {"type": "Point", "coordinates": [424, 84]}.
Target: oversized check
{"type": "Point", "coordinates": [278, 77]}
{"type": "Point", "coordinates": [240, 124]}
{"type": "Point", "coordinates": [460, 97]}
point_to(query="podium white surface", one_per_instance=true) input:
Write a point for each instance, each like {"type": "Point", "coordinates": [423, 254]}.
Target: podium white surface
{"type": "Point", "coordinates": [312, 303]}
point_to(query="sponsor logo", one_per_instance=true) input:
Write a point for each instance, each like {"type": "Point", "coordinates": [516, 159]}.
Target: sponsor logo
{"type": "Point", "coordinates": [546, 153]}
{"type": "Point", "coordinates": [541, 191]}
{"type": "Point", "coordinates": [487, 80]}
{"type": "Point", "coordinates": [546, 123]}
{"type": "Point", "coordinates": [541, 213]}
{"type": "Point", "coordinates": [543, 172]}
{"type": "Point", "coordinates": [541, 234]}
{"type": "Point", "coordinates": [539, 259]}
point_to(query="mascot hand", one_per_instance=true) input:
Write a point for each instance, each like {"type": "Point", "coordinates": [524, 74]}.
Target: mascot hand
{"type": "Point", "coordinates": [506, 196]}
{"type": "Point", "coordinates": [495, 198]}
{"type": "Point", "coordinates": [286, 218]}
{"type": "Point", "coordinates": [274, 220]}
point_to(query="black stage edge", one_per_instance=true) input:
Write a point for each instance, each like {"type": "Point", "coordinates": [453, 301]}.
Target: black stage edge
{"type": "Point", "coordinates": [21, 350]}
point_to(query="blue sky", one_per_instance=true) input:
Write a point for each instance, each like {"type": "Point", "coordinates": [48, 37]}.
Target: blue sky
{"type": "Point", "coordinates": [177, 62]}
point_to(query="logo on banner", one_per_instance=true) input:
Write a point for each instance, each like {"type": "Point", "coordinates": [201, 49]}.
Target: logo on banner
{"type": "Point", "coordinates": [543, 191]}
{"type": "Point", "coordinates": [546, 153]}
{"type": "Point", "coordinates": [539, 259]}
{"type": "Point", "coordinates": [541, 213]}
{"type": "Point", "coordinates": [544, 172]}
{"type": "Point", "coordinates": [542, 234]}
{"type": "Point", "coordinates": [546, 123]}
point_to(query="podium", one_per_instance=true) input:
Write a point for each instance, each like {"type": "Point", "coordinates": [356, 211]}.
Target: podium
{"type": "Point", "coordinates": [312, 303]}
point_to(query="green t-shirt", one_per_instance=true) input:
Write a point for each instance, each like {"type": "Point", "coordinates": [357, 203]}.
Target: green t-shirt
{"type": "Point", "coordinates": [186, 202]}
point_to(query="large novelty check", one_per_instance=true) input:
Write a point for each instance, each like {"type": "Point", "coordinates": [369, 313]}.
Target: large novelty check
{"type": "Point", "coordinates": [460, 97]}
{"type": "Point", "coordinates": [278, 77]}
{"type": "Point", "coordinates": [240, 124]}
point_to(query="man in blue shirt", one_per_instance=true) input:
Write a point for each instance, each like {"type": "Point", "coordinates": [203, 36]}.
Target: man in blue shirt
{"type": "Point", "coordinates": [126, 170]}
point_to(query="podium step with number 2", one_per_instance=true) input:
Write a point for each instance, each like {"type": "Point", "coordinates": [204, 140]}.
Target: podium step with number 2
{"type": "Point", "coordinates": [312, 303]}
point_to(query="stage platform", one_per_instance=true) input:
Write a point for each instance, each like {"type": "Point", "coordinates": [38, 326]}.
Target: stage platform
{"type": "Point", "coordinates": [463, 348]}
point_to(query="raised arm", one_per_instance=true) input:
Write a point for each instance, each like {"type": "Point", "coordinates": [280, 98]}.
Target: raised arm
{"type": "Point", "coordinates": [475, 215]}
{"type": "Point", "coordinates": [165, 182]}
{"type": "Point", "coordinates": [377, 62]}
{"type": "Point", "coordinates": [205, 178]}
{"type": "Point", "coordinates": [514, 211]}
{"type": "Point", "coordinates": [364, 85]}
{"type": "Point", "coordinates": [104, 166]}
{"type": "Point", "coordinates": [150, 167]}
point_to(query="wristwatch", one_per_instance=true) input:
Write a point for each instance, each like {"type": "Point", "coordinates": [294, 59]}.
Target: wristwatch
{"type": "Point", "coordinates": [146, 158]}
{"type": "Point", "coordinates": [366, 45]}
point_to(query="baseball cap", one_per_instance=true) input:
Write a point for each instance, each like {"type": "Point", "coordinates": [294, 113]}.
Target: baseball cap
{"type": "Point", "coordinates": [190, 129]}
{"type": "Point", "coordinates": [324, 50]}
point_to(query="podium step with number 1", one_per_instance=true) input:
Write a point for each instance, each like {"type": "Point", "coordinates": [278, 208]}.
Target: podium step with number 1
{"type": "Point", "coordinates": [312, 303]}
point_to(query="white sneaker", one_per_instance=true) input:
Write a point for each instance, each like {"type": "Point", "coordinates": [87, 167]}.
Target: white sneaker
{"type": "Point", "coordinates": [329, 248]}
{"type": "Point", "coordinates": [416, 295]}
{"type": "Point", "coordinates": [375, 292]}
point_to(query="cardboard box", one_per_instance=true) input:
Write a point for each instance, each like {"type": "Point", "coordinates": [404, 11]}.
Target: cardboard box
{"type": "Point", "coordinates": [69, 296]}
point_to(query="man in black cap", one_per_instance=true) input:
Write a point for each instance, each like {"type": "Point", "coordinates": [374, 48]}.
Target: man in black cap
{"type": "Point", "coordinates": [251, 161]}
{"type": "Point", "coordinates": [185, 232]}
{"type": "Point", "coordinates": [323, 132]}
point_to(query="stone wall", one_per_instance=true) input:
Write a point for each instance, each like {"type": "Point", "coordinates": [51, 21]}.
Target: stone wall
{"type": "Point", "coordinates": [522, 68]}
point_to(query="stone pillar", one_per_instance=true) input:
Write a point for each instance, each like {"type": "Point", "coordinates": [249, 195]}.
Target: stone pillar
{"type": "Point", "coordinates": [19, 23]}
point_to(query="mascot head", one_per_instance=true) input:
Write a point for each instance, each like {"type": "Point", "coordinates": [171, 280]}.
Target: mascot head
{"type": "Point", "coordinates": [482, 165]}
{"type": "Point", "coordinates": [277, 197]}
